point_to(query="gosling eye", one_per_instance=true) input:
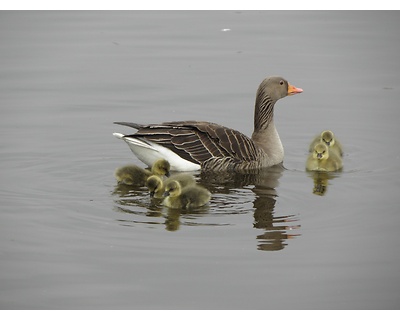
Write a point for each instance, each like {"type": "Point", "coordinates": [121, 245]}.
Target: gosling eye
{"type": "Point", "coordinates": [281, 82]}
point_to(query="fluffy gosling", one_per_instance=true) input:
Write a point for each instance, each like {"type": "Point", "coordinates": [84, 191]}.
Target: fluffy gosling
{"type": "Point", "coordinates": [330, 140]}
{"type": "Point", "coordinates": [156, 185]}
{"type": "Point", "coordinates": [189, 197]}
{"type": "Point", "coordinates": [136, 176]}
{"type": "Point", "coordinates": [321, 159]}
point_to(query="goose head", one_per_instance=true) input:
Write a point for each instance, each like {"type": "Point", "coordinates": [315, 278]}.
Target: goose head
{"type": "Point", "coordinates": [269, 92]}
{"type": "Point", "coordinates": [276, 88]}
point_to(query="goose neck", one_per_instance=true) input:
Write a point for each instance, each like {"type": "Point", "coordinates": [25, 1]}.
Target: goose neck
{"type": "Point", "coordinates": [263, 112]}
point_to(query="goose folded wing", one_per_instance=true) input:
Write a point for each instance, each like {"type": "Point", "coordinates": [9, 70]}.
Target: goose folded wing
{"type": "Point", "coordinates": [198, 141]}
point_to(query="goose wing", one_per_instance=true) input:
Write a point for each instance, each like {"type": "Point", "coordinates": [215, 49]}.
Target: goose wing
{"type": "Point", "coordinates": [198, 141]}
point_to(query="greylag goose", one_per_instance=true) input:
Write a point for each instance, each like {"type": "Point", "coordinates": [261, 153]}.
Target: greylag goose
{"type": "Point", "coordinates": [189, 197]}
{"type": "Point", "coordinates": [321, 159]}
{"type": "Point", "coordinates": [156, 185]}
{"type": "Point", "coordinates": [194, 145]}
{"type": "Point", "coordinates": [134, 175]}
{"type": "Point", "coordinates": [330, 140]}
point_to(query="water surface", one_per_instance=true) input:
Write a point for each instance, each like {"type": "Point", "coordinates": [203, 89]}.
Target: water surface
{"type": "Point", "coordinates": [71, 238]}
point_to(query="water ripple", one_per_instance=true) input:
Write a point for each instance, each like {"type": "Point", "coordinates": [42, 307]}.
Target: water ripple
{"type": "Point", "coordinates": [233, 196]}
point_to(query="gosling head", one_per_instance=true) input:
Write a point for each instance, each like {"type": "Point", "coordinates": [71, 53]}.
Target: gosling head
{"type": "Point", "coordinates": [328, 138]}
{"type": "Point", "coordinates": [161, 167]}
{"type": "Point", "coordinates": [172, 189]}
{"type": "Point", "coordinates": [321, 151]}
{"type": "Point", "coordinates": [154, 184]}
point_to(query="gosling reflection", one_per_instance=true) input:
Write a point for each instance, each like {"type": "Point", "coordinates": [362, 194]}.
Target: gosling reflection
{"type": "Point", "coordinates": [321, 181]}
{"type": "Point", "coordinates": [142, 208]}
{"type": "Point", "coordinates": [172, 220]}
{"type": "Point", "coordinates": [134, 200]}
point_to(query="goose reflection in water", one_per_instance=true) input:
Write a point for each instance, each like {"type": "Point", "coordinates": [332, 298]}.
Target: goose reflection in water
{"type": "Point", "coordinates": [264, 183]}
{"type": "Point", "coordinates": [276, 228]}
{"type": "Point", "coordinates": [230, 195]}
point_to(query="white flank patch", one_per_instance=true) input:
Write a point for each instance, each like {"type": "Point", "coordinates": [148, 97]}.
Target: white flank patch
{"type": "Point", "coordinates": [148, 152]}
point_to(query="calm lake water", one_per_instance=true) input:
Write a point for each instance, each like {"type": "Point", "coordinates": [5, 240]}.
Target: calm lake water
{"type": "Point", "coordinates": [282, 239]}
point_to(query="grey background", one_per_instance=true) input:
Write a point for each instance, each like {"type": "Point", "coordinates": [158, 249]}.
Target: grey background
{"type": "Point", "coordinates": [69, 239]}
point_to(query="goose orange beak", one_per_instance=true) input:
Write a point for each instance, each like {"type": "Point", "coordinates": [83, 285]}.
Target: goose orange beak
{"type": "Point", "coordinates": [293, 90]}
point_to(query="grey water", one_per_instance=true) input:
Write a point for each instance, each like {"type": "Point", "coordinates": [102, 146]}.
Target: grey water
{"type": "Point", "coordinates": [71, 238]}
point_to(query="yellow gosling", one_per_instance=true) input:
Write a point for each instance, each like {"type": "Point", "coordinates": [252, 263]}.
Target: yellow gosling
{"type": "Point", "coordinates": [156, 185]}
{"type": "Point", "coordinates": [330, 140]}
{"type": "Point", "coordinates": [321, 159]}
{"type": "Point", "coordinates": [136, 176]}
{"type": "Point", "coordinates": [189, 197]}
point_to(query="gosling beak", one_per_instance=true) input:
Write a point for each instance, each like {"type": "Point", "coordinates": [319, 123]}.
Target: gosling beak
{"type": "Point", "coordinates": [293, 90]}
{"type": "Point", "coordinates": [166, 194]}
{"type": "Point", "coordinates": [319, 155]}
{"type": "Point", "coordinates": [152, 194]}
{"type": "Point", "coordinates": [167, 174]}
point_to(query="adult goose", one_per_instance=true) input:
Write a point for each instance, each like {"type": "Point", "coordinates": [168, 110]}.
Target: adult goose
{"type": "Point", "coordinates": [194, 145]}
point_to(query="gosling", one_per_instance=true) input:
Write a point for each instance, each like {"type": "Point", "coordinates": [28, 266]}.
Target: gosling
{"type": "Point", "coordinates": [136, 176]}
{"type": "Point", "coordinates": [189, 197]}
{"type": "Point", "coordinates": [322, 159]}
{"type": "Point", "coordinates": [156, 185]}
{"type": "Point", "coordinates": [330, 140]}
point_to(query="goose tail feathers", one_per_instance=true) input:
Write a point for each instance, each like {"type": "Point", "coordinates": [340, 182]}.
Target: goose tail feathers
{"type": "Point", "coordinates": [129, 124]}
{"type": "Point", "coordinates": [118, 135]}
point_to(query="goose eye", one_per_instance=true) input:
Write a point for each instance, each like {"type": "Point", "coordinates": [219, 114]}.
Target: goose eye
{"type": "Point", "coordinates": [281, 82]}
